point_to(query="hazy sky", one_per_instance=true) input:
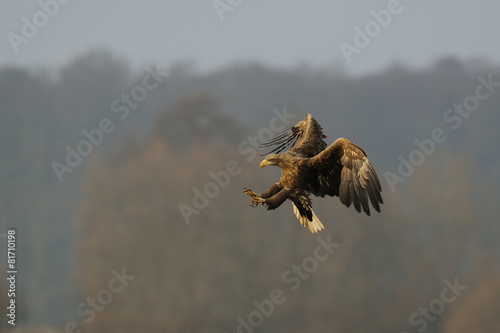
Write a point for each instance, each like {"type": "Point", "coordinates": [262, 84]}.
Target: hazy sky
{"type": "Point", "coordinates": [278, 32]}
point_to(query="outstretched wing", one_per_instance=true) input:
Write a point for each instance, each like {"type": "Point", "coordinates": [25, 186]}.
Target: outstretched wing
{"type": "Point", "coordinates": [343, 170]}
{"type": "Point", "coordinates": [305, 139]}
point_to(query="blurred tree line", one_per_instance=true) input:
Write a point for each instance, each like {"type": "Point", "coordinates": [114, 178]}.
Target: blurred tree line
{"type": "Point", "coordinates": [120, 208]}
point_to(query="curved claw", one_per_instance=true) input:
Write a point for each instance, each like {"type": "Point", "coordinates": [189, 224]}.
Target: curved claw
{"type": "Point", "coordinates": [256, 200]}
{"type": "Point", "coordinates": [249, 192]}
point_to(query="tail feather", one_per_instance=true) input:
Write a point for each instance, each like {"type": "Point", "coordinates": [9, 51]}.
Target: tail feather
{"type": "Point", "coordinates": [314, 226]}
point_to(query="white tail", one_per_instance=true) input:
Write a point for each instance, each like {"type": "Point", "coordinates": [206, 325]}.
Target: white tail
{"type": "Point", "coordinates": [314, 226]}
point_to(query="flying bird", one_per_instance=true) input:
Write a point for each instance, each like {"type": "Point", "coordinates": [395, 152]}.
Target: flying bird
{"type": "Point", "coordinates": [310, 167]}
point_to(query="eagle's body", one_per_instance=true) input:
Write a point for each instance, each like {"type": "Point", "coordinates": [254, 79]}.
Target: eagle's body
{"type": "Point", "coordinates": [310, 167]}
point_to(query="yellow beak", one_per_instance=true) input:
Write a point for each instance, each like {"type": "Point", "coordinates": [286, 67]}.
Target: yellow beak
{"type": "Point", "coordinates": [264, 163]}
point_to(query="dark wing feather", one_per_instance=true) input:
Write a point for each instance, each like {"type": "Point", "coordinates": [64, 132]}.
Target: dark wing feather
{"type": "Point", "coordinates": [305, 139]}
{"type": "Point", "coordinates": [344, 170]}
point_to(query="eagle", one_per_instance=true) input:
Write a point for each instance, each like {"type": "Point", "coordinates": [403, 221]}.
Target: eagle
{"type": "Point", "coordinates": [310, 167]}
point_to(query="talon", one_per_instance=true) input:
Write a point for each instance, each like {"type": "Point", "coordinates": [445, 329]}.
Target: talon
{"type": "Point", "coordinates": [249, 192]}
{"type": "Point", "coordinates": [256, 200]}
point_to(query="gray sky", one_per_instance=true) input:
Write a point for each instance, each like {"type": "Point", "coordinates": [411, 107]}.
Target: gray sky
{"type": "Point", "coordinates": [278, 32]}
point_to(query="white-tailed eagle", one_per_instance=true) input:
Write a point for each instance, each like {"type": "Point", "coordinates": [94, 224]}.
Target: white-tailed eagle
{"type": "Point", "coordinates": [310, 167]}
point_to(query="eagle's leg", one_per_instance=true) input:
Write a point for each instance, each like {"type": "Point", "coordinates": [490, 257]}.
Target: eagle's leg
{"type": "Point", "coordinates": [275, 188]}
{"type": "Point", "coordinates": [276, 200]}
{"type": "Point", "coordinates": [261, 199]}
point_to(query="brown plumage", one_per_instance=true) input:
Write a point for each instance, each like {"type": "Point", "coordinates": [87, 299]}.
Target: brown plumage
{"type": "Point", "coordinates": [310, 167]}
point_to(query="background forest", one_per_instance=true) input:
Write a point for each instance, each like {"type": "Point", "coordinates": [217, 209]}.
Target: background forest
{"type": "Point", "coordinates": [109, 245]}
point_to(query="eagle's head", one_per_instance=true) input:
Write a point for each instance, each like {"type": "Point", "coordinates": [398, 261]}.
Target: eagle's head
{"type": "Point", "coordinates": [272, 159]}
{"type": "Point", "coordinates": [283, 160]}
